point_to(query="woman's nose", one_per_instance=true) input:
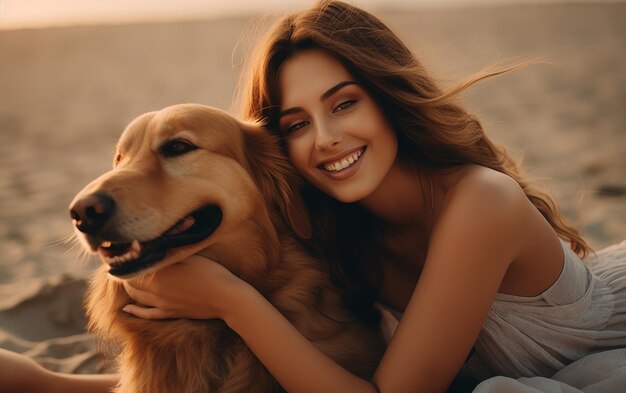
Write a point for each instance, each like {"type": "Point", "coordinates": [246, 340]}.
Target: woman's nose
{"type": "Point", "coordinates": [327, 137]}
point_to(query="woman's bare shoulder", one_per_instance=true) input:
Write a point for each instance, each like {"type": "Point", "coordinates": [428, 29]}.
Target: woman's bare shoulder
{"type": "Point", "coordinates": [483, 211]}
{"type": "Point", "coordinates": [482, 186]}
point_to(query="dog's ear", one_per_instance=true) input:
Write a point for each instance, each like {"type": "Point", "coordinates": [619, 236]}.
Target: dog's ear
{"type": "Point", "coordinates": [275, 177]}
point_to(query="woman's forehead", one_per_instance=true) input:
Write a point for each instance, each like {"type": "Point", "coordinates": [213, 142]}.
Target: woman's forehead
{"type": "Point", "coordinates": [307, 75]}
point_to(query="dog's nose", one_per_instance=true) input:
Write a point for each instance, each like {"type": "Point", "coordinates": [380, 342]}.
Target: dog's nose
{"type": "Point", "coordinates": [92, 212]}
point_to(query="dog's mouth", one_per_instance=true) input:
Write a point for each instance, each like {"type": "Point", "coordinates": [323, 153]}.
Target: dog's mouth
{"type": "Point", "coordinates": [126, 258]}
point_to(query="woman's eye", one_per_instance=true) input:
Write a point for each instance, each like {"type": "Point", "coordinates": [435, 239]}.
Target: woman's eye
{"type": "Point", "coordinates": [295, 127]}
{"type": "Point", "coordinates": [176, 147]}
{"type": "Point", "coordinates": [344, 105]}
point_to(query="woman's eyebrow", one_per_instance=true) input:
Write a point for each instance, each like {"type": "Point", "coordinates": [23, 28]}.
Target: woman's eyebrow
{"type": "Point", "coordinates": [324, 96]}
{"type": "Point", "coordinates": [336, 88]}
{"type": "Point", "coordinates": [289, 111]}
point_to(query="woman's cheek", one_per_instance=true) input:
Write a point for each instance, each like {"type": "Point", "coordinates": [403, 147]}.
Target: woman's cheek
{"type": "Point", "coordinates": [299, 156]}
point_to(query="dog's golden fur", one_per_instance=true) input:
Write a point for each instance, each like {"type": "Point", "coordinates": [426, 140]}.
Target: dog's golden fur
{"type": "Point", "coordinates": [238, 167]}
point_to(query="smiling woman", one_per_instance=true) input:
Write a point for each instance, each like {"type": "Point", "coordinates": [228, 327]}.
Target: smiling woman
{"type": "Point", "coordinates": [322, 108]}
{"type": "Point", "coordinates": [434, 221]}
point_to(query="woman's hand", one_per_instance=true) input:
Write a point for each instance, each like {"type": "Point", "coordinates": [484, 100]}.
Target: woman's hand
{"type": "Point", "coordinates": [196, 288]}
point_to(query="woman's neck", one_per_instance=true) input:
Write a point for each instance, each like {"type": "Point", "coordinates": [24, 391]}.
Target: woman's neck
{"type": "Point", "coordinates": [404, 198]}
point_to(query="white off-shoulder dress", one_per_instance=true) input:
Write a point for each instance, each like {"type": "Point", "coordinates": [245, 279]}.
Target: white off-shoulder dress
{"type": "Point", "coordinates": [570, 338]}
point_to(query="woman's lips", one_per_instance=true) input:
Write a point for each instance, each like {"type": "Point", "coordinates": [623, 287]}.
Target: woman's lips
{"type": "Point", "coordinates": [343, 162]}
{"type": "Point", "coordinates": [348, 171]}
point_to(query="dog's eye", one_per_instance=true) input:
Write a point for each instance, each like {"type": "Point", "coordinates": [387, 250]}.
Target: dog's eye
{"type": "Point", "coordinates": [176, 147]}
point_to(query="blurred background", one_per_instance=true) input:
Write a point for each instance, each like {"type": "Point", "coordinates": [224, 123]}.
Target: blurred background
{"type": "Point", "coordinates": [45, 13]}
{"type": "Point", "coordinates": [74, 73]}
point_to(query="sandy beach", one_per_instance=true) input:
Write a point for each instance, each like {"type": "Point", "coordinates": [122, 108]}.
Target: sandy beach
{"type": "Point", "coordinates": [67, 93]}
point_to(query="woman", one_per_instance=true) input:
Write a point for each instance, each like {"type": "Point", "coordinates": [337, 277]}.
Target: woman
{"type": "Point", "coordinates": [416, 211]}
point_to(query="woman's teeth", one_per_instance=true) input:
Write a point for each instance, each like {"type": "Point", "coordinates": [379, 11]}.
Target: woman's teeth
{"type": "Point", "coordinates": [344, 162]}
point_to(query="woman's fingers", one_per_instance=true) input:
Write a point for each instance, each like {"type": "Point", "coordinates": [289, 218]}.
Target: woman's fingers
{"type": "Point", "coordinates": [150, 304]}
{"type": "Point", "coordinates": [147, 312]}
{"type": "Point", "coordinates": [141, 296]}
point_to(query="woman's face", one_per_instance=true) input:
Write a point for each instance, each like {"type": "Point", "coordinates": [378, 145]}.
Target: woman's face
{"type": "Point", "coordinates": [337, 136]}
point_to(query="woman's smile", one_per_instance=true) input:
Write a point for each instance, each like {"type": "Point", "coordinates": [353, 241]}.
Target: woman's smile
{"type": "Point", "coordinates": [337, 136]}
{"type": "Point", "coordinates": [345, 166]}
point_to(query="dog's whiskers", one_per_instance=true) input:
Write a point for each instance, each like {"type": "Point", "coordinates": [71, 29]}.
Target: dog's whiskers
{"type": "Point", "coordinates": [63, 240]}
{"type": "Point", "coordinates": [84, 258]}
{"type": "Point", "coordinates": [73, 242]}
{"type": "Point", "coordinates": [82, 255]}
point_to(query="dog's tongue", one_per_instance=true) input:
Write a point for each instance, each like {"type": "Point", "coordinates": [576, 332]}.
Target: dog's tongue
{"type": "Point", "coordinates": [181, 226]}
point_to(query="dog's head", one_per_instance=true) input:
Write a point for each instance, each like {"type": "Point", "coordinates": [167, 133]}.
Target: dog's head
{"type": "Point", "coordinates": [190, 179]}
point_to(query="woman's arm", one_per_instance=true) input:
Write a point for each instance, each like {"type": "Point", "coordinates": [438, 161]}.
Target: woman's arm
{"type": "Point", "coordinates": [290, 357]}
{"type": "Point", "coordinates": [19, 373]}
{"type": "Point", "coordinates": [81, 383]}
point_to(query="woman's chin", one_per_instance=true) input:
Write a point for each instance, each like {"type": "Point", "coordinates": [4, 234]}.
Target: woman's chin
{"type": "Point", "coordinates": [350, 194]}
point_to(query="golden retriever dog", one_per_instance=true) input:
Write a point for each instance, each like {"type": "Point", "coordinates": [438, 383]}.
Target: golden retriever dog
{"type": "Point", "coordinates": [191, 179]}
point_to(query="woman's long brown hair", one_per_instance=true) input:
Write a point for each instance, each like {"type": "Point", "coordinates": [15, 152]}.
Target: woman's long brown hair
{"type": "Point", "coordinates": [433, 131]}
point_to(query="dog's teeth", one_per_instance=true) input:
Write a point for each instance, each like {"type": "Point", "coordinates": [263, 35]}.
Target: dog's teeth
{"type": "Point", "coordinates": [105, 244]}
{"type": "Point", "coordinates": [135, 250]}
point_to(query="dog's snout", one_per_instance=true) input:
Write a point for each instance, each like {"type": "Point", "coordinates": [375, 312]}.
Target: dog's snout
{"type": "Point", "coordinates": [92, 212]}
